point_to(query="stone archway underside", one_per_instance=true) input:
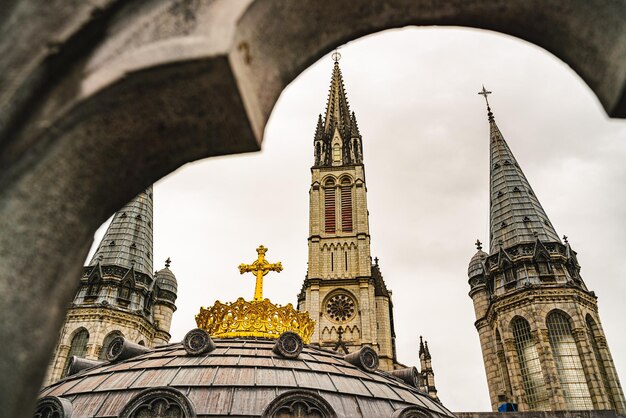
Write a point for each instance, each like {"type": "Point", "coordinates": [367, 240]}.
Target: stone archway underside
{"type": "Point", "coordinates": [99, 99]}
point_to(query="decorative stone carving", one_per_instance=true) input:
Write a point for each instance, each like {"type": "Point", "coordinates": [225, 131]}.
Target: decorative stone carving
{"type": "Point", "coordinates": [289, 345]}
{"type": "Point", "coordinates": [366, 359]}
{"type": "Point", "coordinates": [160, 402]}
{"type": "Point", "coordinates": [299, 403]}
{"type": "Point", "coordinates": [53, 407]}
{"type": "Point", "coordinates": [197, 341]}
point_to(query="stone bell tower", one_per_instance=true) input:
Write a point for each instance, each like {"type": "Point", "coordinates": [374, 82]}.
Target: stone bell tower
{"type": "Point", "coordinates": [343, 292]}
{"type": "Point", "coordinates": [118, 294]}
{"type": "Point", "coordinates": [540, 332]}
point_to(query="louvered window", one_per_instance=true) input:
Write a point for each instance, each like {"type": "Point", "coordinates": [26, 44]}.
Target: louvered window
{"type": "Point", "coordinates": [530, 367]}
{"type": "Point", "coordinates": [330, 220]}
{"type": "Point", "coordinates": [567, 360]}
{"type": "Point", "coordinates": [346, 208]}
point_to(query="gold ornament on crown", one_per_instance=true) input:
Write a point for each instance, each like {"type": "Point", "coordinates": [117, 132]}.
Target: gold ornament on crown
{"type": "Point", "coordinates": [256, 318]}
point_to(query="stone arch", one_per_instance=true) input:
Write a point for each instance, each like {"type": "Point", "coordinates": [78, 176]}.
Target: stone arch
{"type": "Point", "coordinates": [346, 179]}
{"type": "Point", "coordinates": [329, 181]}
{"type": "Point", "coordinates": [246, 66]}
{"type": "Point", "coordinates": [302, 403]}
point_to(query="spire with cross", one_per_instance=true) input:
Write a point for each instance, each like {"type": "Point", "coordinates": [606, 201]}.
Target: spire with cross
{"type": "Point", "coordinates": [260, 267]}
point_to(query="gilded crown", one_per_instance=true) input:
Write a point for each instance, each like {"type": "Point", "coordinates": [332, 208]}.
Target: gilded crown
{"type": "Point", "coordinates": [256, 318]}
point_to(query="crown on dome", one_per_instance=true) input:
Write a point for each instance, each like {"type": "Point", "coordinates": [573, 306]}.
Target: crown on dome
{"type": "Point", "coordinates": [256, 318]}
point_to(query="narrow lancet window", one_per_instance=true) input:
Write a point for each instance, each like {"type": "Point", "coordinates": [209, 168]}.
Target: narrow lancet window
{"type": "Point", "coordinates": [567, 360]}
{"type": "Point", "coordinates": [330, 219]}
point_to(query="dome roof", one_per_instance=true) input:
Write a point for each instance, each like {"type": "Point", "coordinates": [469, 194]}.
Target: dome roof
{"type": "Point", "coordinates": [476, 264]}
{"type": "Point", "coordinates": [166, 280]}
{"type": "Point", "coordinates": [241, 376]}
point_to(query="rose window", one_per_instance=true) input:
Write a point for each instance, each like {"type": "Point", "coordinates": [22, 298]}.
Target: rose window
{"type": "Point", "coordinates": [340, 307]}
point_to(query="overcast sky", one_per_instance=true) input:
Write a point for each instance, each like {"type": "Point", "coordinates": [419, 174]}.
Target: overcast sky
{"type": "Point", "coordinates": [426, 139]}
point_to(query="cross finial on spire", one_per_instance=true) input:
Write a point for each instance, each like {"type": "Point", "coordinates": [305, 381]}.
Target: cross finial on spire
{"type": "Point", "coordinates": [376, 260]}
{"type": "Point", "coordinates": [479, 245]}
{"type": "Point", "coordinates": [565, 239]}
{"type": "Point", "coordinates": [336, 56]}
{"type": "Point", "coordinates": [168, 262]}
{"type": "Point", "coordinates": [485, 93]}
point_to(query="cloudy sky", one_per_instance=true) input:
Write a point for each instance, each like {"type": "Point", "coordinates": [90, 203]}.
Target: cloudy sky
{"type": "Point", "coordinates": [425, 137]}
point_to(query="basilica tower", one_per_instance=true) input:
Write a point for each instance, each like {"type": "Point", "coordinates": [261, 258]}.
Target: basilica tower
{"type": "Point", "coordinates": [540, 332]}
{"type": "Point", "coordinates": [344, 292]}
{"type": "Point", "coordinates": [118, 294]}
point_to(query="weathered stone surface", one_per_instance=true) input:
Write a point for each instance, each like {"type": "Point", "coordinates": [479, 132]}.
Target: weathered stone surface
{"type": "Point", "coordinates": [100, 99]}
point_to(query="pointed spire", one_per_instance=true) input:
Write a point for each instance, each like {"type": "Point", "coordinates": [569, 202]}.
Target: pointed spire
{"type": "Point", "coordinates": [516, 215]}
{"type": "Point", "coordinates": [426, 350]}
{"type": "Point", "coordinates": [422, 350]}
{"type": "Point", "coordinates": [337, 107]}
{"type": "Point", "coordinates": [128, 239]}
{"type": "Point", "coordinates": [354, 133]}
{"type": "Point", "coordinates": [337, 119]}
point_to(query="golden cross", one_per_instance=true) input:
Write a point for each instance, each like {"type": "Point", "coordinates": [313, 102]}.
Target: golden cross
{"type": "Point", "coordinates": [260, 268]}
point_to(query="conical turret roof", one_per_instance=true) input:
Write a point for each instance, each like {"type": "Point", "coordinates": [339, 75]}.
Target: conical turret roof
{"type": "Point", "coordinates": [516, 215]}
{"type": "Point", "coordinates": [128, 240]}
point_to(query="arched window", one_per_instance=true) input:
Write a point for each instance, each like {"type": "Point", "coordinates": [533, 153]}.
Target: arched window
{"type": "Point", "coordinates": [330, 217]}
{"type": "Point", "coordinates": [125, 289]}
{"type": "Point", "coordinates": [502, 368]}
{"type": "Point", "coordinates": [337, 153]}
{"type": "Point", "coordinates": [53, 407]}
{"type": "Point", "coordinates": [592, 333]}
{"type": "Point", "coordinates": [346, 205]}
{"type": "Point", "coordinates": [159, 402]}
{"type": "Point", "coordinates": [93, 286]}
{"type": "Point", "coordinates": [299, 403]}
{"type": "Point", "coordinates": [567, 360]}
{"type": "Point", "coordinates": [106, 343]}
{"type": "Point", "coordinates": [78, 347]}
{"type": "Point", "coordinates": [530, 367]}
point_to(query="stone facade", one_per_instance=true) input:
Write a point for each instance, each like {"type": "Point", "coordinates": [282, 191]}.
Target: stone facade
{"type": "Point", "coordinates": [118, 294]}
{"type": "Point", "coordinates": [343, 292]}
{"type": "Point", "coordinates": [541, 337]}
{"type": "Point", "coordinates": [542, 414]}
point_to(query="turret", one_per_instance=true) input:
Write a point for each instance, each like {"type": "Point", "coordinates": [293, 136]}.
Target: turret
{"type": "Point", "coordinates": [165, 294]}
{"type": "Point", "coordinates": [535, 317]}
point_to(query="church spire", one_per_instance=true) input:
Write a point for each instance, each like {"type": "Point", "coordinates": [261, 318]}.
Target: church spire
{"type": "Point", "coordinates": [128, 240]}
{"type": "Point", "coordinates": [516, 215]}
{"type": "Point", "coordinates": [337, 138]}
